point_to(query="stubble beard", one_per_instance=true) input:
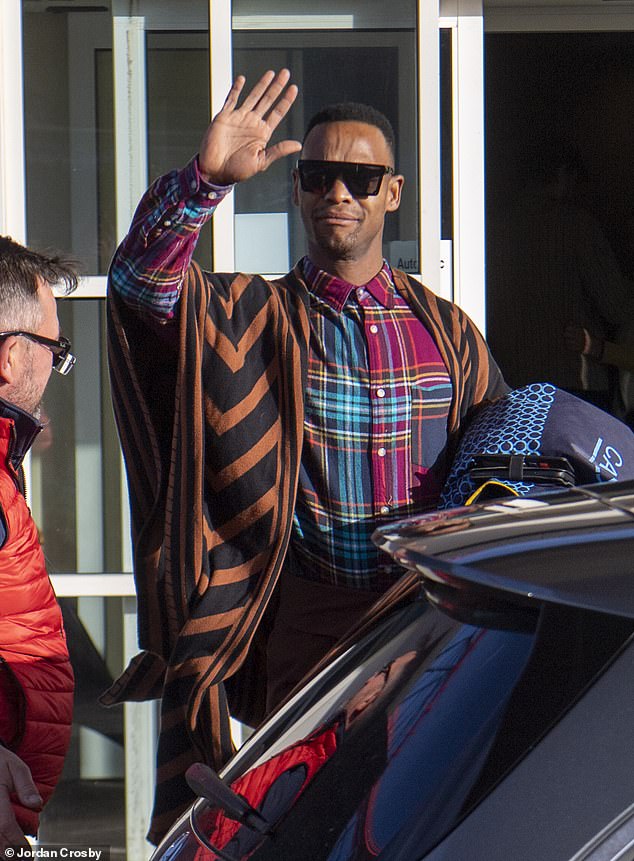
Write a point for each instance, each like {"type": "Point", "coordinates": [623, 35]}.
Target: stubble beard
{"type": "Point", "coordinates": [27, 395]}
{"type": "Point", "coordinates": [338, 247]}
{"type": "Point", "coordinates": [30, 401]}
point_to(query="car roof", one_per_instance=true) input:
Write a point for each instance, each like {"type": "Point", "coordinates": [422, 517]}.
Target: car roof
{"type": "Point", "coordinates": [573, 547]}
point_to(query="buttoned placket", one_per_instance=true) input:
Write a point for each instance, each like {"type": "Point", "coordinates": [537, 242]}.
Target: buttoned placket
{"type": "Point", "coordinates": [380, 394]}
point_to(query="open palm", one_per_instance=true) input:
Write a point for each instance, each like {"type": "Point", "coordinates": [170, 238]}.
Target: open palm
{"type": "Point", "coordinates": [235, 145]}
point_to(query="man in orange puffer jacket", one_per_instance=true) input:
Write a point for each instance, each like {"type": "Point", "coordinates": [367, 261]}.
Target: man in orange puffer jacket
{"type": "Point", "coordinates": [36, 679]}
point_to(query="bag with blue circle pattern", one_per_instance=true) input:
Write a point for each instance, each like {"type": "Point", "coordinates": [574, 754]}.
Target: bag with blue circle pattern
{"type": "Point", "coordinates": [535, 437]}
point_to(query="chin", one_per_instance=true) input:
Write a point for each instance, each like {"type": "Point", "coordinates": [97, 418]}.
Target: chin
{"type": "Point", "coordinates": [337, 249]}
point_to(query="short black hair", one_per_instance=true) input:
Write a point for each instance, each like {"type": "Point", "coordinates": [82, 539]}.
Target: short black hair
{"type": "Point", "coordinates": [357, 112]}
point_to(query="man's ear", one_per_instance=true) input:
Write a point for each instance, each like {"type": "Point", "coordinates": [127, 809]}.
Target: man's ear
{"type": "Point", "coordinates": [9, 359]}
{"type": "Point", "coordinates": [394, 188]}
{"type": "Point", "coordinates": [295, 176]}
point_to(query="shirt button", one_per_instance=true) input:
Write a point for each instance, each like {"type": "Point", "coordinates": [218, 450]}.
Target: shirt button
{"type": "Point", "coordinates": [380, 393]}
{"type": "Point", "coordinates": [167, 223]}
{"type": "Point", "coordinates": [381, 452]}
{"type": "Point", "coordinates": [193, 185]}
{"type": "Point", "coordinates": [374, 328]}
{"type": "Point", "coordinates": [385, 509]}
{"type": "Point", "coordinates": [211, 195]}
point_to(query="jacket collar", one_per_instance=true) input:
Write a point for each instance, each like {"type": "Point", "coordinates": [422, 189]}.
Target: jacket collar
{"type": "Point", "coordinates": [27, 427]}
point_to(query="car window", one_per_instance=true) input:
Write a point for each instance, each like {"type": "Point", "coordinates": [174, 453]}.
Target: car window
{"type": "Point", "coordinates": [405, 745]}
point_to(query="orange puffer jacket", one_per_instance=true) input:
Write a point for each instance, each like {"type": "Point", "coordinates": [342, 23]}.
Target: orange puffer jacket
{"type": "Point", "coordinates": [36, 679]}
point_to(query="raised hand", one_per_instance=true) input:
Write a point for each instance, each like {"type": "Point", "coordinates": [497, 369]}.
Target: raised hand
{"type": "Point", "coordinates": [579, 340]}
{"type": "Point", "coordinates": [235, 145]}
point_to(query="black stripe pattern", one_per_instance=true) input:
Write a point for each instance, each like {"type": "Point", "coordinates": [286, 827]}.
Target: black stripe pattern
{"type": "Point", "coordinates": [212, 442]}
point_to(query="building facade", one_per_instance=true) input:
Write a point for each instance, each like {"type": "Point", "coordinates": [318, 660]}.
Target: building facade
{"type": "Point", "coordinates": [98, 97]}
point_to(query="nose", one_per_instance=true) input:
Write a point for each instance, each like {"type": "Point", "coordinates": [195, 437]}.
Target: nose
{"type": "Point", "coordinates": [338, 191]}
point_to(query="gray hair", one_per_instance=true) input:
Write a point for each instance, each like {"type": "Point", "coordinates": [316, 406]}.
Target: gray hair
{"type": "Point", "coordinates": [21, 272]}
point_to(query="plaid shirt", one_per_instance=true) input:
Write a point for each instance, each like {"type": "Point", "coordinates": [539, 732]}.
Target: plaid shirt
{"type": "Point", "coordinates": [376, 406]}
{"type": "Point", "coordinates": [377, 395]}
{"type": "Point", "coordinates": [148, 268]}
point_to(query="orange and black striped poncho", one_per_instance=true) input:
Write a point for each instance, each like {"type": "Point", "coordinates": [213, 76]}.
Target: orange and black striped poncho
{"type": "Point", "coordinates": [212, 443]}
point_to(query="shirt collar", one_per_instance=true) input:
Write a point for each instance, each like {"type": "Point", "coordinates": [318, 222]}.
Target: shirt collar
{"type": "Point", "coordinates": [336, 292]}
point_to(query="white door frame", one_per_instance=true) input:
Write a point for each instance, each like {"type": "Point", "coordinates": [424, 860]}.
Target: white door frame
{"type": "Point", "coordinates": [12, 168]}
{"type": "Point", "coordinates": [465, 18]}
{"type": "Point", "coordinates": [429, 135]}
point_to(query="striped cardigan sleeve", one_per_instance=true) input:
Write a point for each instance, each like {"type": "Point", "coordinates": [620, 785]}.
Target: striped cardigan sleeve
{"type": "Point", "coordinates": [475, 375]}
{"type": "Point", "coordinates": [212, 435]}
{"type": "Point", "coordinates": [212, 440]}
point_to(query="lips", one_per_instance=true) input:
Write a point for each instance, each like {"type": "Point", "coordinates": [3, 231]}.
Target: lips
{"type": "Point", "coordinates": [334, 217]}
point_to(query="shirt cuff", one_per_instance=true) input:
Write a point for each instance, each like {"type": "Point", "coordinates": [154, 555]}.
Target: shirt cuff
{"type": "Point", "coordinates": [195, 184]}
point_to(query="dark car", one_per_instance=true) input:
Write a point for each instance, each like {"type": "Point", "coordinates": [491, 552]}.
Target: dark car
{"type": "Point", "coordinates": [485, 713]}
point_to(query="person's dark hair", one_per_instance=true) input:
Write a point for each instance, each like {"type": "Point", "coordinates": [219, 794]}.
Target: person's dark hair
{"type": "Point", "coordinates": [21, 270]}
{"type": "Point", "coordinates": [354, 112]}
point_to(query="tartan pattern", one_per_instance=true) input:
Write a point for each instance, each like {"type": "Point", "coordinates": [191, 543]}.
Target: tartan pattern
{"type": "Point", "coordinates": [151, 263]}
{"type": "Point", "coordinates": [209, 543]}
{"type": "Point", "coordinates": [344, 483]}
{"type": "Point", "coordinates": [212, 437]}
{"type": "Point", "coordinates": [363, 453]}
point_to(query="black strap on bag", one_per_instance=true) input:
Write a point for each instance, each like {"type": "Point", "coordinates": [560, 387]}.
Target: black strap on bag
{"type": "Point", "coordinates": [556, 471]}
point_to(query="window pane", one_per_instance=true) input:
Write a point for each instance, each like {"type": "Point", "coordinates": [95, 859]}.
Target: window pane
{"type": "Point", "coordinates": [69, 103]}
{"type": "Point", "coordinates": [373, 60]}
{"type": "Point", "coordinates": [76, 499]}
{"type": "Point", "coordinates": [76, 466]}
{"type": "Point", "coordinates": [69, 148]}
{"type": "Point", "coordinates": [178, 63]}
{"type": "Point", "coordinates": [559, 205]}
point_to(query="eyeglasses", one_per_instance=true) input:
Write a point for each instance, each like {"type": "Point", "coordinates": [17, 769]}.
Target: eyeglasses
{"type": "Point", "coordinates": [63, 359]}
{"type": "Point", "coordinates": [361, 180]}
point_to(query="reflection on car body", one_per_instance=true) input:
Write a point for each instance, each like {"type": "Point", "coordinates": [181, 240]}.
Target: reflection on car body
{"type": "Point", "coordinates": [400, 746]}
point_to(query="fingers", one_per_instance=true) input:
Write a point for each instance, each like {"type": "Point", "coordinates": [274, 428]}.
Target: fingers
{"type": "Point", "coordinates": [280, 150]}
{"type": "Point", "coordinates": [268, 90]}
{"type": "Point", "coordinates": [234, 146]}
{"type": "Point", "coordinates": [10, 832]}
{"type": "Point", "coordinates": [25, 789]}
{"type": "Point", "coordinates": [282, 107]}
{"type": "Point", "coordinates": [234, 93]}
{"type": "Point", "coordinates": [15, 777]}
{"type": "Point", "coordinates": [269, 94]}
{"type": "Point", "coordinates": [251, 99]}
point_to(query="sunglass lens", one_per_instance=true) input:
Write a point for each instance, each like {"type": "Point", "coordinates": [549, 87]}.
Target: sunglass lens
{"type": "Point", "coordinates": [316, 179]}
{"type": "Point", "coordinates": [362, 180]}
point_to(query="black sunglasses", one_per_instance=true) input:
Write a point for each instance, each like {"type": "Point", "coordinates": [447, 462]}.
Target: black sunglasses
{"type": "Point", "coordinates": [63, 359]}
{"type": "Point", "coordinates": [361, 180]}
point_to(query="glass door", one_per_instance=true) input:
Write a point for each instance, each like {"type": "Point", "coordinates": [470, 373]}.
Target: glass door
{"type": "Point", "coordinates": [115, 92]}
{"type": "Point", "coordinates": [560, 248]}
